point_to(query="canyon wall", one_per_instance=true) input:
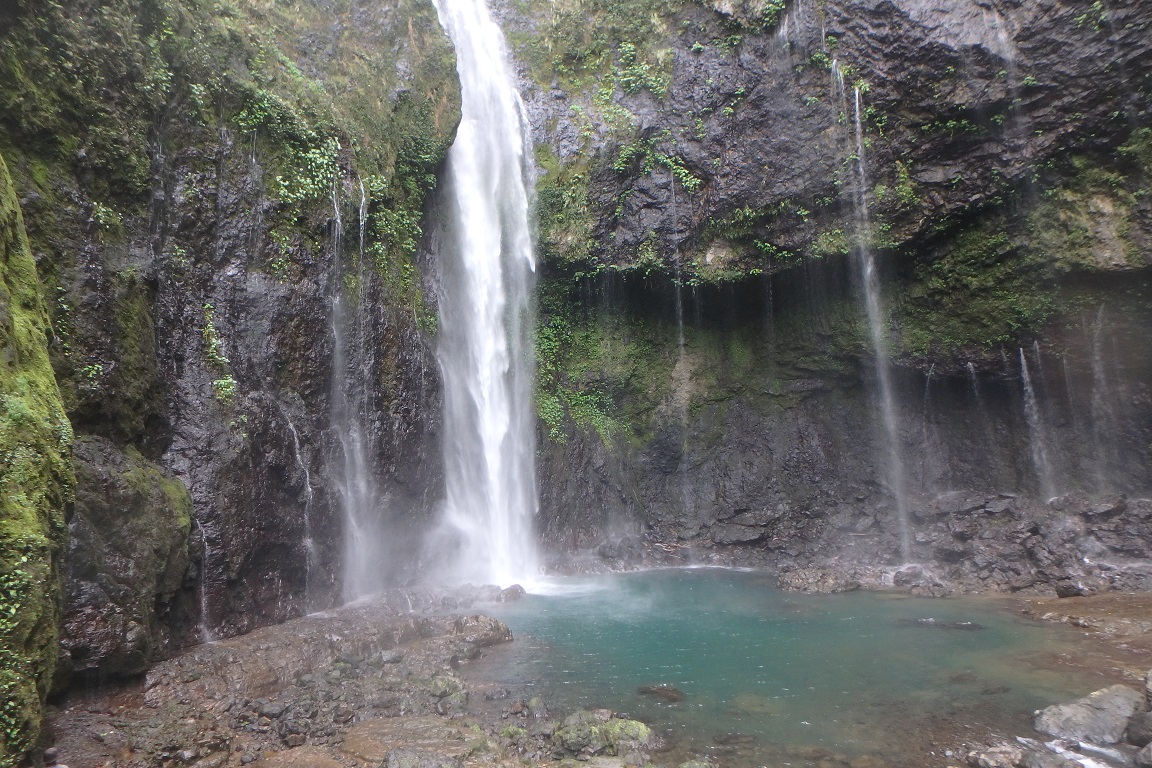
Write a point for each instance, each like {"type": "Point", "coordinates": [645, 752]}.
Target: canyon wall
{"type": "Point", "coordinates": [201, 184]}
{"type": "Point", "coordinates": [225, 204]}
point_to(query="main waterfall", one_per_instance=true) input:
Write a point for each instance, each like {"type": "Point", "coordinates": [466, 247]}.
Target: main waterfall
{"type": "Point", "coordinates": [484, 248]}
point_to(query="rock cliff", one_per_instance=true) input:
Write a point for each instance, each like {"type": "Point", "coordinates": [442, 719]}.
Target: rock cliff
{"type": "Point", "coordinates": [710, 173]}
{"type": "Point", "coordinates": [203, 185]}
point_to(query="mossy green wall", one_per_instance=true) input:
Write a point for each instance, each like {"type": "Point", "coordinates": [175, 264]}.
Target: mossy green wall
{"type": "Point", "coordinates": [36, 484]}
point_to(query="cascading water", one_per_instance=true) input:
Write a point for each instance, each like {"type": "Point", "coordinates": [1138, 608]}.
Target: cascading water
{"type": "Point", "coordinates": [1104, 422]}
{"type": "Point", "coordinates": [484, 244]}
{"type": "Point", "coordinates": [367, 552]}
{"type": "Point", "coordinates": [875, 313]}
{"type": "Point", "coordinates": [205, 626]}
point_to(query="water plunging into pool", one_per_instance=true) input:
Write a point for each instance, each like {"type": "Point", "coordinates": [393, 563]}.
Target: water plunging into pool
{"type": "Point", "coordinates": [484, 249]}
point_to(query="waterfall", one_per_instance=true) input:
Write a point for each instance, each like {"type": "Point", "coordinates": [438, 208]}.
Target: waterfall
{"type": "Point", "coordinates": [485, 257]}
{"type": "Point", "coordinates": [1105, 426]}
{"type": "Point", "coordinates": [1037, 435]}
{"type": "Point", "coordinates": [875, 313]}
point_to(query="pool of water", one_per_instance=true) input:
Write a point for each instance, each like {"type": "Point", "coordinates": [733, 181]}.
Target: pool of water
{"type": "Point", "coordinates": [772, 677]}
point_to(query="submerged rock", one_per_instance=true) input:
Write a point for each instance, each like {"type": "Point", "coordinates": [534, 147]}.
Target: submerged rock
{"type": "Point", "coordinates": [663, 692]}
{"type": "Point", "coordinates": [1100, 717]}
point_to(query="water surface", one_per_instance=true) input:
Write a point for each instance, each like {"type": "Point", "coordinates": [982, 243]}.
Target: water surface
{"type": "Point", "coordinates": [776, 676]}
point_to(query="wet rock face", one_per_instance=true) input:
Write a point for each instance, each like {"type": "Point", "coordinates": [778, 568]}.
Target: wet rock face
{"type": "Point", "coordinates": [959, 542]}
{"type": "Point", "coordinates": [128, 562]}
{"type": "Point", "coordinates": [704, 147]}
{"type": "Point", "coordinates": [958, 101]}
{"type": "Point", "coordinates": [195, 235]}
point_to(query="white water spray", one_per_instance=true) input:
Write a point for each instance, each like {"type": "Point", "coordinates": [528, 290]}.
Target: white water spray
{"type": "Point", "coordinates": [309, 542]}
{"type": "Point", "coordinates": [486, 263]}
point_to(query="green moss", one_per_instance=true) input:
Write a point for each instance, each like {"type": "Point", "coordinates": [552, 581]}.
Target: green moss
{"type": "Point", "coordinates": [982, 290]}
{"type": "Point", "coordinates": [578, 42]}
{"type": "Point", "coordinates": [36, 484]}
{"type": "Point", "coordinates": [562, 208]}
{"type": "Point", "coordinates": [1084, 223]}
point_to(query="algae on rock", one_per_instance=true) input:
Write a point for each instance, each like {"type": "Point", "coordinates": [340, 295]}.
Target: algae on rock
{"type": "Point", "coordinates": [36, 484]}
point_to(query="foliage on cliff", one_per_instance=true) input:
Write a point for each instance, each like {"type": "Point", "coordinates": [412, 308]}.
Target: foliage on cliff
{"type": "Point", "coordinates": [36, 484]}
{"type": "Point", "coordinates": [719, 141]}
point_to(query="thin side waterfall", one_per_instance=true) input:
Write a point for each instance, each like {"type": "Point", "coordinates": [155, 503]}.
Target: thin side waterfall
{"type": "Point", "coordinates": [309, 542]}
{"type": "Point", "coordinates": [367, 552]}
{"type": "Point", "coordinates": [1104, 423]}
{"type": "Point", "coordinates": [485, 256]}
{"type": "Point", "coordinates": [871, 284]}
{"type": "Point", "coordinates": [205, 626]}
{"type": "Point", "coordinates": [1037, 435]}
{"type": "Point", "coordinates": [681, 373]}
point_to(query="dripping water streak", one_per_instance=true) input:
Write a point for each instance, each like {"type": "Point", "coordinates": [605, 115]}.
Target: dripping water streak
{"type": "Point", "coordinates": [486, 260]}
{"type": "Point", "coordinates": [205, 628]}
{"type": "Point", "coordinates": [1104, 423]}
{"type": "Point", "coordinates": [875, 313]}
{"type": "Point", "coordinates": [1037, 436]}
{"type": "Point", "coordinates": [309, 542]}
{"type": "Point", "coordinates": [681, 374]}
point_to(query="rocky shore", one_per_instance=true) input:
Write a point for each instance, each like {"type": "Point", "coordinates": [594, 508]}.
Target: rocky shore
{"type": "Point", "coordinates": [386, 684]}
{"type": "Point", "coordinates": [376, 684]}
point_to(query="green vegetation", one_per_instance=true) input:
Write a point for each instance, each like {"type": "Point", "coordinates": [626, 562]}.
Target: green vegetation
{"type": "Point", "coordinates": [1000, 281]}
{"type": "Point", "coordinates": [36, 483]}
{"type": "Point", "coordinates": [223, 387]}
{"type": "Point", "coordinates": [579, 42]}
{"type": "Point", "coordinates": [90, 99]}
{"type": "Point", "coordinates": [620, 373]}
{"type": "Point", "coordinates": [981, 291]}
{"type": "Point", "coordinates": [644, 155]}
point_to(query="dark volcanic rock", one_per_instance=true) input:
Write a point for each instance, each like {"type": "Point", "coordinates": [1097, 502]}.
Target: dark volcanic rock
{"type": "Point", "coordinates": [1139, 730]}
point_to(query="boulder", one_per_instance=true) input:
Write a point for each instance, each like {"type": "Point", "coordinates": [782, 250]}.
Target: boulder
{"type": "Point", "coordinates": [998, 756]}
{"type": "Point", "coordinates": [600, 732]}
{"type": "Point", "coordinates": [1144, 757]}
{"type": "Point", "coordinates": [1139, 731]}
{"type": "Point", "coordinates": [1100, 717]}
{"type": "Point", "coordinates": [816, 579]}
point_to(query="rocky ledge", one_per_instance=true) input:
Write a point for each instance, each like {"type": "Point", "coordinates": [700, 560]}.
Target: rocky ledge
{"type": "Point", "coordinates": [960, 542]}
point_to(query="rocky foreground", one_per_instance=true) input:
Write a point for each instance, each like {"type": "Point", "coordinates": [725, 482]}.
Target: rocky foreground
{"type": "Point", "coordinates": [367, 685]}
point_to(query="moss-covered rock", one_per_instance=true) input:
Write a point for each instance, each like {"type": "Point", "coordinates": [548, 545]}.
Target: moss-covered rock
{"type": "Point", "coordinates": [599, 732]}
{"type": "Point", "coordinates": [36, 484]}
